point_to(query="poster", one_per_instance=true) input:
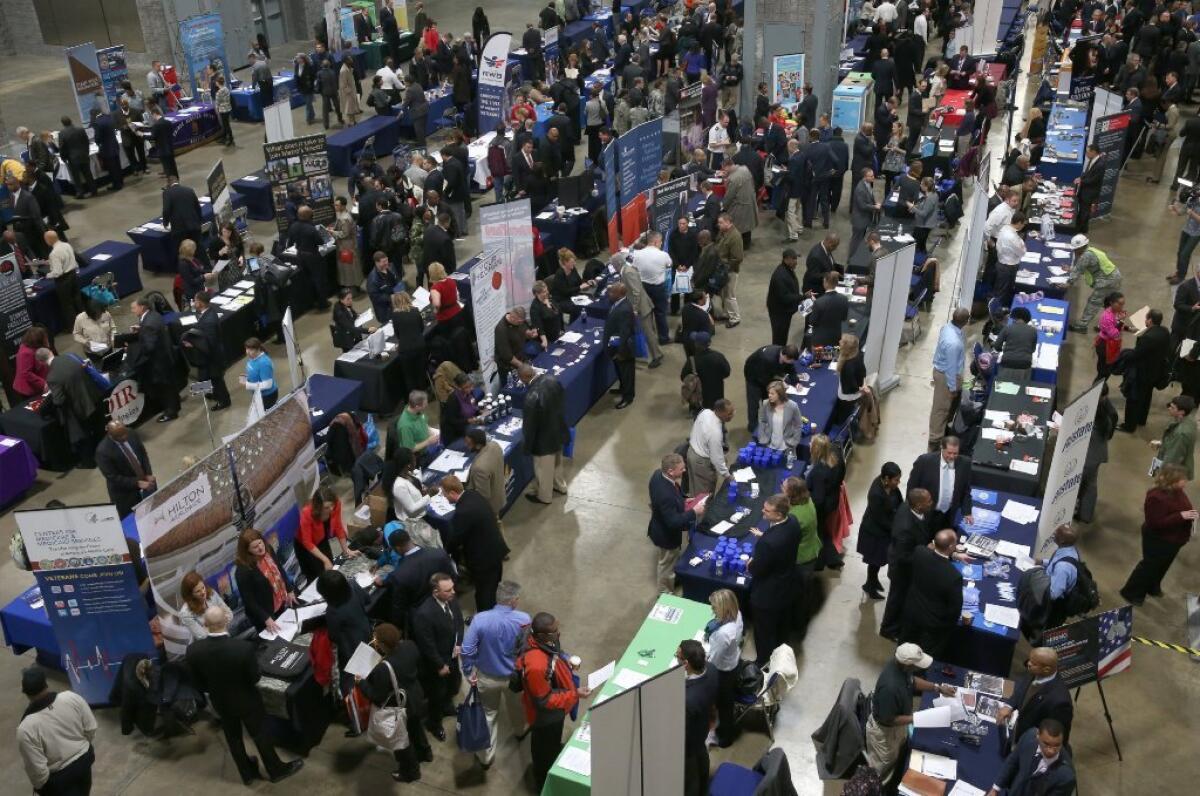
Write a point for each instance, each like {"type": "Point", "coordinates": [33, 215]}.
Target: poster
{"type": "Point", "coordinates": [113, 71]}
{"type": "Point", "coordinates": [507, 281]}
{"type": "Point", "coordinates": [668, 203]}
{"type": "Point", "coordinates": [1066, 466]}
{"type": "Point", "coordinates": [1104, 103]}
{"type": "Point", "coordinates": [489, 300]}
{"type": "Point", "coordinates": [85, 571]}
{"type": "Point", "coordinates": [300, 166]}
{"type": "Point", "coordinates": [1094, 647]}
{"type": "Point", "coordinates": [346, 25]}
{"type": "Point", "coordinates": [14, 308]}
{"type": "Point", "coordinates": [202, 38]}
{"type": "Point", "coordinates": [85, 80]}
{"type": "Point", "coordinates": [491, 90]}
{"type": "Point", "coordinates": [333, 29]}
{"type": "Point", "coordinates": [787, 79]}
{"type": "Point", "coordinates": [218, 194]}
{"type": "Point", "coordinates": [1110, 140]}
{"type": "Point", "coordinates": [639, 158]}
{"type": "Point", "coordinates": [401, 11]}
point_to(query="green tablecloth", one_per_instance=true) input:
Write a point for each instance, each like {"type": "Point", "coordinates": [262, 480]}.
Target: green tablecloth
{"type": "Point", "coordinates": [375, 52]}
{"type": "Point", "coordinates": [651, 652]}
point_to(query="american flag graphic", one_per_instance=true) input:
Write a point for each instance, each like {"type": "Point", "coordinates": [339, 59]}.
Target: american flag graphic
{"type": "Point", "coordinates": [1116, 647]}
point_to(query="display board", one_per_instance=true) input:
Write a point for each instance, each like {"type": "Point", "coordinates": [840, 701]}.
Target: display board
{"type": "Point", "coordinates": [14, 306]}
{"type": "Point", "coordinates": [1094, 647]}
{"type": "Point", "coordinates": [668, 203]}
{"type": "Point", "coordinates": [637, 738]}
{"type": "Point", "coordinates": [113, 70]}
{"type": "Point", "coordinates": [787, 79]}
{"type": "Point", "coordinates": [84, 68]}
{"type": "Point", "coordinates": [639, 158]}
{"type": "Point", "coordinates": [84, 569]}
{"type": "Point", "coordinates": [300, 166]}
{"type": "Point", "coordinates": [889, 299]}
{"type": "Point", "coordinates": [218, 194]}
{"type": "Point", "coordinates": [1066, 466]}
{"type": "Point", "coordinates": [1110, 140]}
{"type": "Point", "coordinates": [277, 118]}
{"type": "Point", "coordinates": [609, 156]}
{"type": "Point", "coordinates": [202, 38]}
{"type": "Point", "coordinates": [970, 256]}
{"type": "Point", "coordinates": [489, 300]}
{"type": "Point", "coordinates": [491, 89]}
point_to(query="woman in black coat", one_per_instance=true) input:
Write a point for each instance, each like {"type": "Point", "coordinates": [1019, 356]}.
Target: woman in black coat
{"type": "Point", "coordinates": [480, 28]}
{"type": "Point", "coordinates": [875, 530]}
{"type": "Point", "coordinates": [409, 328]}
{"type": "Point", "coordinates": [346, 333]}
{"type": "Point", "coordinates": [544, 315]}
{"type": "Point", "coordinates": [825, 486]}
{"type": "Point", "coordinates": [262, 582]}
{"type": "Point", "coordinates": [345, 618]}
{"type": "Point", "coordinates": [403, 656]}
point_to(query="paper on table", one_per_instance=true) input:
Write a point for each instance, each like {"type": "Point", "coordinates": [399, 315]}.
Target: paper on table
{"type": "Point", "coordinates": [1007, 388]}
{"type": "Point", "coordinates": [1020, 513]}
{"type": "Point", "coordinates": [570, 337]}
{"type": "Point", "coordinates": [581, 301]}
{"type": "Point", "coordinates": [100, 257]}
{"type": "Point", "coordinates": [1011, 549]}
{"type": "Point", "coordinates": [628, 678]}
{"type": "Point", "coordinates": [1031, 257]}
{"type": "Point", "coordinates": [573, 758]}
{"type": "Point", "coordinates": [245, 284]}
{"type": "Point", "coordinates": [8, 442]}
{"type": "Point", "coordinates": [440, 505]}
{"type": "Point", "coordinates": [957, 711]}
{"type": "Point", "coordinates": [938, 765]}
{"type": "Point", "coordinates": [721, 527]}
{"type": "Point", "coordinates": [187, 320]}
{"type": "Point", "coordinates": [287, 629]}
{"type": "Point", "coordinates": [994, 433]}
{"type": "Point", "coordinates": [362, 661]}
{"type": "Point", "coordinates": [1038, 392]}
{"type": "Point", "coordinates": [1002, 615]}
{"type": "Point", "coordinates": [996, 414]}
{"type": "Point", "coordinates": [251, 178]}
{"type": "Point", "coordinates": [364, 579]}
{"type": "Point", "coordinates": [744, 475]}
{"type": "Point", "coordinates": [932, 717]}
{"type": "Point", "coordinates": [1022, 466]}
{"type": "Point", "coordinates": [448, 461]}
{"type": "Point", "coordinates": [601, 675]}
{"type": "Point", "coordinates": [306, 612]}
{"type": "Point", "coordinates": [962, 788]}
{"type": "Point", "coordinates": [1050, 309]}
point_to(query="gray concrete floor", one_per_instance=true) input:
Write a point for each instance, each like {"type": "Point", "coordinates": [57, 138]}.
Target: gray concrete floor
{"type": "Point", "coordinates": [586, 558]}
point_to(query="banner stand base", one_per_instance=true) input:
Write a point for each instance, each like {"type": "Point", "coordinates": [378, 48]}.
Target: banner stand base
{"type": "Point", "coordinates": [887, 385]}
{"type": "Point", "coordinates": [1107, 718]}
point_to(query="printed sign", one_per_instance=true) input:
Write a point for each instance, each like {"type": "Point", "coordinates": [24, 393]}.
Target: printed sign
{"type": "Point", "coordinates": [1110, 140]}
{"type": "Point", "coordinates": [787, 79]}
{"type": "Point", "coordinates": [299, 168]}
{"type": "Point", "coordinates": [113, 71]}
{"type": "Point", "coordinates": [85, 80]}
{"type": "Point", "coordinates": [14, 308]}
{"type": "Point", "coordinates": [492, 71]}
{"type": "Point", "coordinates": [202, 38]}
{"type": "Point", "coordinates": [126, 402]}
{"type": "Point", "coordinates": [1066, 466]}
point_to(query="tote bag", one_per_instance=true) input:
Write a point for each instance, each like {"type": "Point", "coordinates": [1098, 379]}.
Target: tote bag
{"type": "Point", "coordinates": [471, 725]}
{"type": "Point", "coordinates": [388, 727]}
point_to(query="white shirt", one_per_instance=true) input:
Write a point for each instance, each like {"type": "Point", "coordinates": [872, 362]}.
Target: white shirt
{"type": "Point", "coordinates": [946, 480]}
{"type": "Point", "coordinates": [62, 259]}
{"type": "Point", "coordinates": [652, 263]}
{"type": "Point", "coordinates": [708, 436]}
{"type": "Point", "coordinates": [1010, 248]}
{"type": "Point", "coordinates": [410, 501]}
{"type": "Point", "coordinates": [921, 27]}
{"type": "Point", "coordinates": [999, 217]}
{"type": "Point", "coordinates": [718, 138]}
{"type": "Point", "coordinates": [885, 12]}
{"type": "Point", "coordinates": [724, 645]}
{"type": "Point", "coordinates": [391, 81]}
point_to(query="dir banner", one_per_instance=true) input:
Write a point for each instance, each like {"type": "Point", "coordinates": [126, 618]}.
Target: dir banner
{"type": "Point", "coordinates": [1066, 468]}
{"type": "Point", "coordinates": [85, 571]}
{"type": "Point", "coordinates": [113, 70]}
{"type": "Point", "coordinates": [787, 79]}
{"type": "Point", "coordinates": [85, 80]}
{"type": "Point", "coordinates": [203, 40]}
{"type": "Point", "coordinates": [299, 168]}
{"type": "Point", "coordinates": [492, 71]}
{"type": "Point", "coordinates": [1110, 140]}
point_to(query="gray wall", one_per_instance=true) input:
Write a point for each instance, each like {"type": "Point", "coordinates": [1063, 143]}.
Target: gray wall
{"type": "Point", "coordinates": [820, 23]}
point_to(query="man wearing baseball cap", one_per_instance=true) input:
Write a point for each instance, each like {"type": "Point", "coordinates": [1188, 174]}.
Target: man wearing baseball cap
{"type": "Point", "coordinates": [55, 737]}
{"type": "Point", "coordinates": [1100, 273]}
{"type": "Point", "coordinates": [892, 706]}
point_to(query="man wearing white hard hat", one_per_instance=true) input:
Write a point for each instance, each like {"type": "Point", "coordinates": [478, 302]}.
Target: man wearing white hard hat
{"type": "Point", "coordinates": [1099, 272]}
{"type": "Point", "coordinates": [892, 706]}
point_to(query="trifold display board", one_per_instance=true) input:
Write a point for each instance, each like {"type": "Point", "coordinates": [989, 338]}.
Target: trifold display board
{"type": "Point", "coordinates": [889, 299]}
{"type": "Point", "coordinates": [299, 168]}
{"type": "Point", "coordinates": [971, 254]}
{"type": "Point", "coordinates": [637, 739]}
{"type": "Point", "coordinates": [639, 158]}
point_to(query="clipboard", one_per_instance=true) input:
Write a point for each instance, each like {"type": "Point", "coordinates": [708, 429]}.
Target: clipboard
{"type": "Point", "coordinates": [1138, 320]}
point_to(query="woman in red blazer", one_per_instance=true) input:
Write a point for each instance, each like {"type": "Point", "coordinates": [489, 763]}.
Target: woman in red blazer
{"type": "Point", "coordinates": [320, 520]}
{"type": "Point", "coordinates": [30, 379]}
{"type": "Point", "coordinates": [1169, 523]}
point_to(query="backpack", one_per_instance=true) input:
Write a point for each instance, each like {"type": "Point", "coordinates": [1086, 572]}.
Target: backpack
{"type": "Point", "coordinates": [690, 391]}
{"type": "Point", "coordinates": [718, 279]}
{"type": "Point", "coordinates": [1084, 596]}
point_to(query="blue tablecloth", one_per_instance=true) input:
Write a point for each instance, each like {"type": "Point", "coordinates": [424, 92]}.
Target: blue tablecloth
{"type": "Point", "coordinates": [979, 766]}
{"type": "Point", "coordinates": [344, 145]}
{"type": "Point", "coordinates": [122, 262]}
{"type": "Point", "coordinates": [544, 111]}
{"type": "Point", "coordinates": [248, 108]}
{"type": "Point", "coordinates": [1066, 138]}
{"type": "Point", "coordinates": [158, 253]}
{"type": "Point", "coordinates": [1039, 313]}
{"type": "Point", "coordinates": [1042, 269]}
{"type": "Point", "coordinates": [18, 469]}
{"type": "Point", "coordinates": [191, 129]}
{"type": "Point", "coordinates": [331, 396]}
{"type": "Point", "coordinates": [818, 405]}
{"type": "Point", "coordinates": [583, 383]}
{"type": "Point", "coordinates": [437, 109]}
{"type": "Point", "coordinates": [256, 194]}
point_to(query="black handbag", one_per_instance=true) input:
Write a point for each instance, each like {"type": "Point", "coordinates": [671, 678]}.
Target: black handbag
{"type": "Point", "coordinates": [282, 659]}
{"type": "Point", "coordinates": [748, 680]}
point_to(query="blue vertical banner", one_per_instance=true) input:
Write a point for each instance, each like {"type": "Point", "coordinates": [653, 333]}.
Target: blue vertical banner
{"type": "Point", "coordinates": [346, 26]}
{"type": "Point", "coordinates": [203, 40]}
{"type": "Point", "coordinates": [639, 155]}
{"type": "Point", "coordinates": [90, 590]}
{"type": "Point", "coordinates": [492, 97]}
{"type": "Point", "coordinates": [608, 156]}
{"type": "Point", "coordinates": [85, 80]}
{"type": "Point", "coordinates": [113, 70]}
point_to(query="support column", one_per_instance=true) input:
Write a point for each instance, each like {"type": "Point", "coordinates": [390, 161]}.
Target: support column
{"type": "Point", "coordinates": [819, 24]}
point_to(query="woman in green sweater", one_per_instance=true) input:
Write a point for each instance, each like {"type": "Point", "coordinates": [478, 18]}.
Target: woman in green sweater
{"type": "Point", "coordinates": [1178, 442]}
{"type": "Point", "coordinates": [805, 512]}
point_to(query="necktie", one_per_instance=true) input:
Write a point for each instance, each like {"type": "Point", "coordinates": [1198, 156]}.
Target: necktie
{"type": "Point", "coordinates": [133, 460]}
{"type": "Point", "coordinates": [944, 490]}
{"type": "Point", "coordinates": [1030, 693]}
{"type": "Point", "coordinates": [529, 159]}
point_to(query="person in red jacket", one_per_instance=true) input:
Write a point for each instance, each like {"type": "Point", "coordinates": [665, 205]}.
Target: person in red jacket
{"type": "Point", "coordinates": [30, 379]}
{"type": "Point", "coordinates": [548, 693]}
{"type": "Point", "coordinates": [320, 520]}
{"type": "Point", "coordinates": [498, 162]}
{"type": "Point", "coordinates": [1168, 526]}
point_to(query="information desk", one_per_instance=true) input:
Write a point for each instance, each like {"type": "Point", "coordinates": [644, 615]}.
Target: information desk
{"type": "Point", "coordinates": [235, 308]}
{"type": "Point", "coordinates": [255, 190]}
{"type": "Point", "coordinates": [110, 257]}
{"type": "Point", "coordinates": [439, 100]}
{"type": "Point", "coordinates": [1066, 140]}
{"type": "Point", "coordinates": [18, 469]}
{"type": "Point", "coordinates": [650, 653]}
{"type": "Point", "coordinates": [328, 397]}
{"type": "Point", "coordinates": [344, 145]}
{"type": "Point", "coordinates": [158, 251]}
{"type": "Point", "coordinates": [977, 765]}
{"type": "Point", "coordinates": [817, 404]}
{"type": "Point", "coordinates": [191, 127]}
{"type": "Point", "coordinates": [1049, 274]}
{"type": "Point", "coordinates": [46, 438]}
{"type": "Point", "coordinates": [992, 468]}
{"type": "Point", "coordinates": [1050, 317]}
{"type": "Point", "coordinates": [247, 107]}
{"type": "Point", "coordinates": [384, 386]}
{"type": "Point", "coordinates": [584, 382]}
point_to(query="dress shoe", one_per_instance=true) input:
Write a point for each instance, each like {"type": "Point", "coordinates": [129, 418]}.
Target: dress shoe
{"type": "Point", "coordinates": [425, 755]}
{"type": "Point", "coordinates": [219, 407]}
{"type": "Point", "coordinates": [532, 498]}
{"type": "Point", "coordinates": [656, 362]}
{"type": "Point", "coordinates": [400, 776]}
{"type": "Point", "coordinates": [621, 404]}
{"type": "Point", "coordinates": [438, 732]}
{"type": "Point", "coordinates": [252, 774]}
{"type": "Point", "coordinates": [1130, 600]}
{"type": "Point", "coordinates": [166, 418]}
{"type": "Point", "coordinates": [873, 592]}
{"type": "Point", "coordinates": [288, 770]}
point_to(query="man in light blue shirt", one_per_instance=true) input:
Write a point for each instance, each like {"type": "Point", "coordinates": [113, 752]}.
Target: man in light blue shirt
{"type": "Point", "coordinates": [947, 375]}
{"type": "Point", "coordinates": [1063, 574]}
{"type": "Point", "coordinates": [488, 656]}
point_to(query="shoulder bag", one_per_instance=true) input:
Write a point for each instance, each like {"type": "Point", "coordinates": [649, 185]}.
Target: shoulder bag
{"type": "Point", "coordinates": [388, 727]}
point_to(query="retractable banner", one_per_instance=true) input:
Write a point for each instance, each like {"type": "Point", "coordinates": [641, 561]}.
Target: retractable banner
{"type": "Point", "coordinates": [492, 70]}
{"type": "Point", "coordinates": [113, 70]}
{"type": "Point", "coordinates": [85, 80]}
{"type": "Point", "coordinates": [1111, 132]}
{"type": "Point", "coordinates": [639, 158]}
{"type": "Point", "coordinates": [203, 40]}
{"type": "Point", "coordinates": [1066, 467]}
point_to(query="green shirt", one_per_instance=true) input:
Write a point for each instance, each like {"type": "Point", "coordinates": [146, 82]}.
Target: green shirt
{"type": "Point", "coordinates": [810, 542]}
{"type": "Point", "coordinates": [1179, 443]}
{"type": "Point", "coordinates": [411, 429]}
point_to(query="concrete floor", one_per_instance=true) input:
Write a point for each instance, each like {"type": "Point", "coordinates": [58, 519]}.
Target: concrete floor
{"type": "Point", "coordinates": [586, 558]}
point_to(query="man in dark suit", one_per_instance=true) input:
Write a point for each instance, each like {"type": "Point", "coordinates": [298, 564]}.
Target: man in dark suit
{"type": "Point", "coordinates": [947, 478]}
{"type": "Point", "coordinates": [438, 633]}
{"type": "Point", "coordinates": [773, 588]}
{"type": "Point", "coordinates": [910, 530]}
{"type": "Point", "coordinates": [618, 342]}
{"type": "Point", "coordinates": [709, 210]}
{"type": "Point", "coordinates": [303, 235]}
{"type": "Point", "coordinates": [27, 218]}
{"type": "Point", "coordinates": [75, 149]}
{"type": "Point", "coordinates": [961, 68]}
{"type": "Point", "coordinates": [1147, 368]}
{"type": "Point", "coordinates": [669, 518]}
{"type": "Point", "coordinates": [806, 111]}
{"type": "Point", "coordinates": [125, 465]}
{"type": "Point", "coordinates": [799, 191]}
{"type": "Point", "coordinates": [476, 540]}
{"type": "Point", "coordinates": [163, 134]}
{"type": "Point", "coordinates": [820, 262]}
{"type": "Point", "coordinates": [1041, 765]}
{"type": "Point", "coordinates": [105, 135]}
{"type": "Point", "coordinates": [438, 247]}
{"type": "Point", "coordinates": [227, 670]}
{"type": "Point", "coordinates": [863, 207]}
{"type": "Point", "coordinates": [934, 604]}
{"type": "Point", "coordinates": [1187, 309]}
{"type": "Point", "coordinates": [1041, 694]}
{"type": "Point", "coordinates": [213, 360]}
{"type": "Point", "coordinates": [181, 215]}
{"type": "Point", "coordinates": [767, 364]}
{"type": "Point", "coordinates": [78, 402]}
{"type": "Point", "coordinates": [863, 154]}
{"type": "Point", "coordinates": [783, 297]}
{"type": "Point", "coordinates": [829, 313]}
{"type": "Point", "coordinates": [699, 701]}
{"type": "Point", "coordinates": [152, 359]}
{"type": "Point", "coordinates": [709, 364]}
{"type": "Point", "coordinates": [775, 139]}
{"type": "Point", "coordinates": [408, 582]}
{"type": "Point", "coordinates": [391, 29]}
{"type": "Point", "coordinates": [544, 432]}
{"type": "Point", "coordinates": [1087, 187]}
{"type": "Point", "coordinates": [841, 164]}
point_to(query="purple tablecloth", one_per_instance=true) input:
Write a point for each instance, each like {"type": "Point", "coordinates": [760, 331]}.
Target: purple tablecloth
{"type": "Point", "coordinates": [190, 130]}
{"type": "Point", "coordinates": [18, 469]}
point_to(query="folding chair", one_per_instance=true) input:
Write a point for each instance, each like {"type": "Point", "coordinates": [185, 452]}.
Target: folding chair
{"type": "Point", "coordinates": [912, 315]}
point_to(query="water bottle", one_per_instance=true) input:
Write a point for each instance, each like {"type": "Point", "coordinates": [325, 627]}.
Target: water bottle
{"type": "Point", "coordinates": [1047, 226]}
{"type": "Point", "coordinates": [791, 458]}
{"type": "Point", "coordinates": [720, 567]}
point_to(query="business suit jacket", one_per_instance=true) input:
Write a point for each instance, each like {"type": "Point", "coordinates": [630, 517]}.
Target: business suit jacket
{"type": "Point", "coordinates": [829, 312]}
{"type": "Point", "coordinates": [118, 473]}
{"type": "Point", "coordinates": [152, 358]}
{"type": "Point", "coordinates": [699, 699]}
{"type": "Point", "coordinates": [935, 594]}
{"type": "Point", "coordinates": [668, 517]}
{"type": "Point", "coordinates": [1050, 700]}
{"type": "Point", "coordinates": [773, 566]}
{"type": "Point", "coordinates": [1150, 359]}
{"type": "Point", "coordinates": [163, 134]}
{"type": "Point", "coordinates": [1187, 295]}
{"type": "Point", "coordinates": [544, 426]}
{"type": "Point", "coordinates": [1018, 773]}
{"type": "Point", "coordinates": [620, 325]}
{"type": "Point", "coordinates": [713, 368]}
{"type": "Point", "coordinates": [456, 188]}
{"type": "Point", "coordinates": [909, 532]}
{"type": "Point", "coordinates": [862, 205]}
{"type": "Point", "coordinates": [1090, 181]}
{"type": "Point", "coordinates": [487, 475]}
{"type": "Point", "coordinates": [106, 137]}
{"type": "Point", "coordinates": [475, 532]}
{"type": "Point", "coordinates": [438, 247]}
{"type": "Point", "coordinates": [763, 366]}
{"type": "Point", "coordinates": [27, 219]}
{"type": "Point", "coordinates": [255, 589]}
{"type": "Point", "coordinates": [226, 669]}
{"type": "Point", "coordinates": [863, 156]}
{"type": "Point", "coordinates": [181, 209]}
{"type": "Point", "coordinates": [818, 263]}
{"type": "Point", "coordinates": [926, 474]}
{"type": "Point", "coordinates": [74, 146]}
{"type": "Point", "coordinates": [437, 634]}
{"type": "Point", "coordinates": [345, 332]}
{"type": "Point", "coordinates": [408, 582]}
{"type": "Point", "coordinates": [783, 292]}
{"type": "Point", "coordinates": [214, 354]}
